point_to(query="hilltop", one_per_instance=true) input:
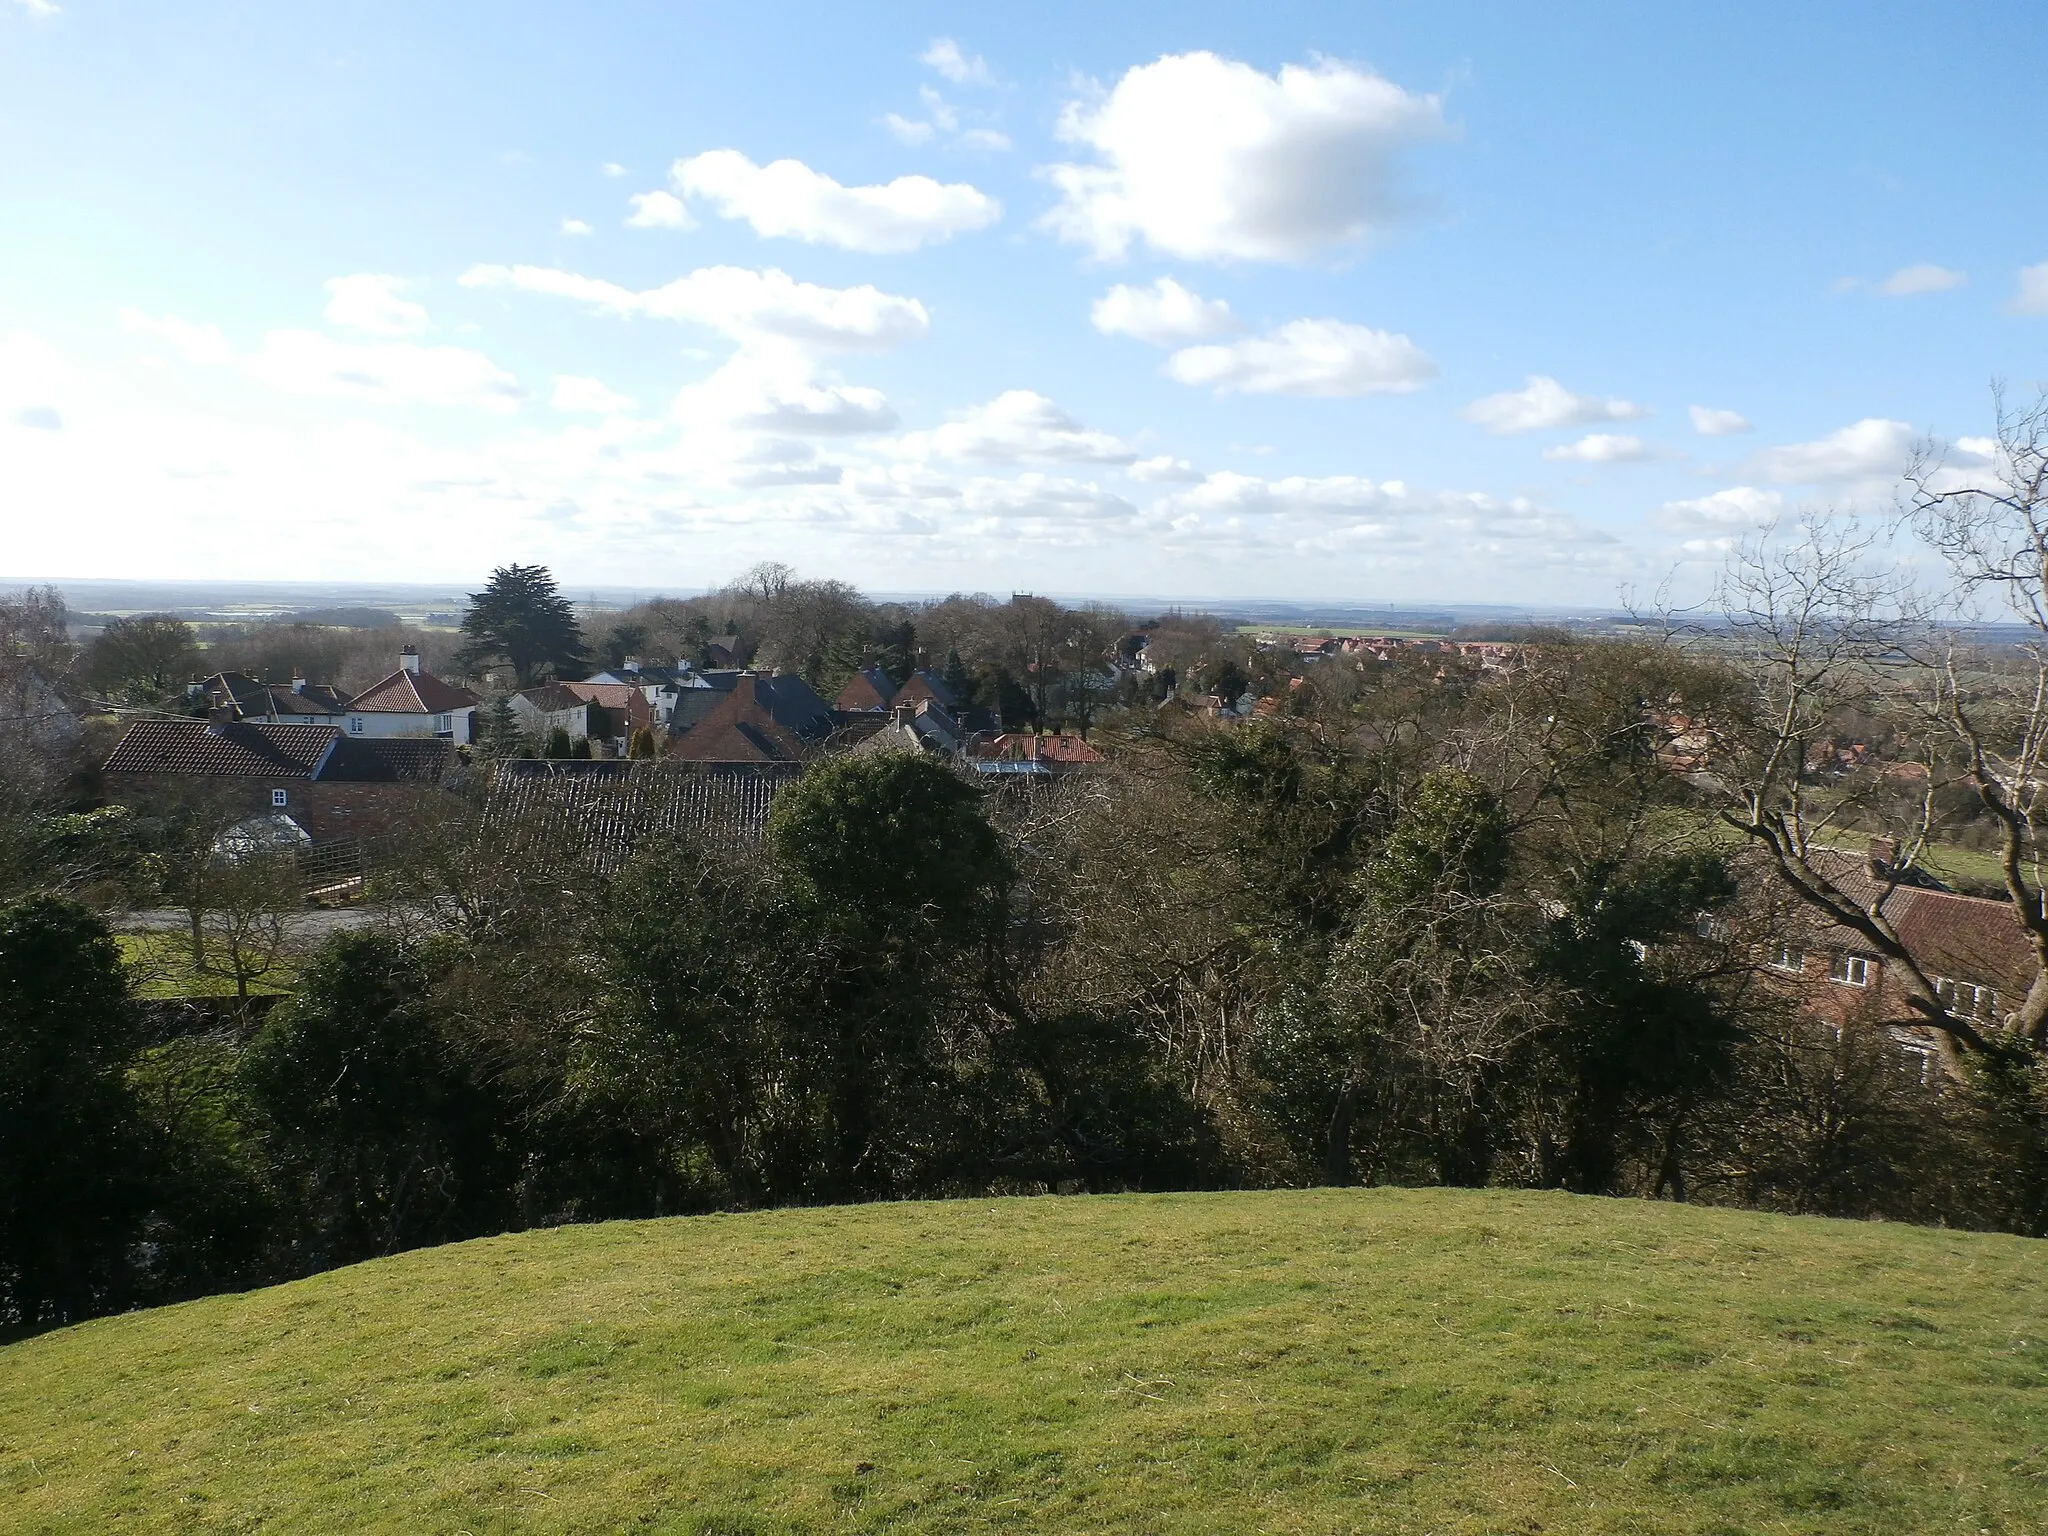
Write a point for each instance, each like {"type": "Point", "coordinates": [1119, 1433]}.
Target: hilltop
{"type": "Point", "coordinates": [1357, 1360]}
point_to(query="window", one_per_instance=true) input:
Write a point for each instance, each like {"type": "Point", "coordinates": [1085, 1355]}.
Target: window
{"type": "Point", "coordinates": [441, 723]}
{"type": "Point", "coordinates": [1967, 998]}
{"type": "Point", "coordinates": [1850, 971]}
{"type": "Point", "coordinates": [355, 724]}
{"type": "Point", "coordinates": [279, 799]}
{"type": "Point", "coordinates": [1786, 958]}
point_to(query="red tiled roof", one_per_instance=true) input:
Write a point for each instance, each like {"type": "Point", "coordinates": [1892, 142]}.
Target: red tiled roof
{"type": "Point", "coordinates": [619, 696]}
{"type": "Point", "coordinates": [413, 693]}
{"type": "Point", "coordinates": [1022, 746]}
{"type": "Point", "coordinates": [1964, 938]}
{"type": "Point", "coordinates": [233, 749]}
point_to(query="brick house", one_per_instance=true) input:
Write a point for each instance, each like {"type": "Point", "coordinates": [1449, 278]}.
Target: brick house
{"type": "Point", "coordinates": [296, 703]}
{"type": "Point", "coordinates": [762, 718]}
{"type": "Point", "coordinates": [331, 785]}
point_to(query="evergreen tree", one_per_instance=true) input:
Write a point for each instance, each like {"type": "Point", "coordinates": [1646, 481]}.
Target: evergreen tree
{"type": "Point", "coordinates": [501, 736]}
{"type": "Point", "coordinates": [70, 1143]}
{"type": "Point", "coordinates": [521, 619]}
{"type": "Point", "coordinates": [958, 680]}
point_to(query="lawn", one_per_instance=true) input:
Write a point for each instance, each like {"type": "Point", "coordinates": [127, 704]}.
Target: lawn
{"type": "Point", "coordinates": [1339, 1361]}
{"type": "Point", "coordinates": [160, 967]}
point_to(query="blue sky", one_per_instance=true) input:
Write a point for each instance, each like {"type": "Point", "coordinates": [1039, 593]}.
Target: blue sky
{"type": "Point", "coordinates": [1385, 302]}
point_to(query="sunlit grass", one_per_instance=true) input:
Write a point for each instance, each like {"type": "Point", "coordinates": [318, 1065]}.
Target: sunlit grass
{"type": "Point", "coordinates": [160, 967]}
{"type": "Point", "coordinates": [1338, 1361]}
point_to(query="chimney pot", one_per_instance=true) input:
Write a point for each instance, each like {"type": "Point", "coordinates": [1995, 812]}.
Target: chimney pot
{"type": "Point", "coordinates": [298, 681]}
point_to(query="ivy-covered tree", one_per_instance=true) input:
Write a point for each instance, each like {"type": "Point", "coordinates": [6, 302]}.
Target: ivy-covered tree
{"type": "Point", "coordinates": [522, 620]}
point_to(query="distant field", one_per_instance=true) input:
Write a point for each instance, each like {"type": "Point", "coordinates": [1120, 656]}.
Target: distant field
{"type": "Point", "coordinates": [1370, 1361]}
{"type": "Point", "coordinates": [1335, 630]}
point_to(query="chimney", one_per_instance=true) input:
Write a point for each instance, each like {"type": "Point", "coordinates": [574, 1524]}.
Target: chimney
{"type": "Point", "coordinates": [902, 714]}
{"type": "Point", "coordinates": [409, 661]}
{"type": "Point", "coordinates": [218, 719]}
{"type": "Point", "coordinates": [298, 681]}
{"type": "Point", "coordinates": [1884, 853]}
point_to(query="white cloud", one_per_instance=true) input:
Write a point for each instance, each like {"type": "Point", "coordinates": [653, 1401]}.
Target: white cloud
{"type": "Point", "coordinates": [39, 418]}
{"type": "Point", "coordinates": [1542, 403]}
{"type": "Point", "coordinates": [2032, 296]}
{"type": "Point", "coordinates": [1925, 277]}
{"type": "Point", "coordinates": [191, 340]}
{"type": "Point", "coordinates": [945, 56]}
{"type": "Point", "coordinates": [1164, 313]}
{"type": "Point", "coordinates": [1736, 509]}
{"type": "Point", "coordinates": [658, 210]}
{"type": "Point", "coordinates": [39, 7]}
{"type": "Point", "coordinates": [611, 168]}
{"type": "Point", "coordinates": [745, 304]}
{"type": "Point", "coordinates": [775, 390]}
{"type": "Point", "coordinates": [986, 138]}
{"type": "Point", "coordinates": [575, 227]}
{"type": "Point", "coordinates": [907, 130]}
{"type": "Point", "coordinates": [1208, 159]}
{"type": "Point", "coordinates": [1165, 468]}
{"type": "Point", "coordinates": [1310, 358]}
{"type": "Point", "coordinates": [369, 301]}
{"type": "Point", "coordinates": [1710, 422]}
{"type": "Point", "coordinates": [398, 372]}
{"type": "Point", "coordinates": [1871, 449]}
{"type": "Point", "coordinates": [1015, 427]}
{"type": "Point", "coordinates": [788, 199]}
{"type": "Point", "coordinates": [1601, 448]}
{"type": "Point", "coordinates": [587, 396]}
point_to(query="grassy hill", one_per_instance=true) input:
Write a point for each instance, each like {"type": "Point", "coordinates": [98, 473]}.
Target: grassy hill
{"type": "Point", "coordinates": [1327, 1362]}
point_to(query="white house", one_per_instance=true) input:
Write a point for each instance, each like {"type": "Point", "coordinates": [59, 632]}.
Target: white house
{"type": "Point", "coordinates": [414, 703]}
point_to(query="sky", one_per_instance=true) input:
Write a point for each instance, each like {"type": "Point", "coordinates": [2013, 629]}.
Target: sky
{"type": "Point", "coordinates": [1488, 303]}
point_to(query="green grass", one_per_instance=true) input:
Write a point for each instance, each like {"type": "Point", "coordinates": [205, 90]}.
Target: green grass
{"type": "Point", "coordinates": [160, 967]}
{"type": "Point", "coordinates": [1338, 1361]}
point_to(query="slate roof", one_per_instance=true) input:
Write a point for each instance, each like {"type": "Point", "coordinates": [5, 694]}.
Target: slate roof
{"type": "Point", "coordinates": [224, 749]}
{"type": "Point", "coordinates": [868, 688]}
{"type": "Point", "coordinates": [926, 685]}
{"type": "Point", "coordinates": [388, 760]}
{"type": "Point", "coordinates": [251, 697]}
{"type": "Point", "coordinates": [763, 719]}
{"type": "Point", "coordinates": [413, 693]}
{"type": "Point", "coordinates": [552, 698]}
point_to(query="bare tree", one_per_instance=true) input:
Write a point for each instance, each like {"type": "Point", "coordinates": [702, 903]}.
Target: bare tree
{"type": "Point", "coordinates": [1990, 524]}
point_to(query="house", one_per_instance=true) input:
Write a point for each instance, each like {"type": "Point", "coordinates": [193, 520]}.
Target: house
{"type": "Point", "coordinates": [411, 702]}
{"type": "Point", "coordinates": [762, 718]}
{"type": "Point", "coordinates": [1979, 957]}
{"type": "Point", "coordinates": [659, 684]}
{"type": "Point", "coordinates": [920, 727]}
{"type": "Point", "coordinates": [614, 711]}
{"type": "Point", "coordinates": [1052, 752]}
{"type": "Point", "coordinates": [297, 702]}
{"type": "Point", "coordinates": [330, 784]}
{"type": "Point", "coordinates": [920, 686]}
{"type": "Point", "coordinates": [725, 651]}
{"type": "Point", "coordinates": [549, 708]}
{"type": "Point", "coordinates": [869, 688]}
{"type": "Point", "coordinates": [607, 808]}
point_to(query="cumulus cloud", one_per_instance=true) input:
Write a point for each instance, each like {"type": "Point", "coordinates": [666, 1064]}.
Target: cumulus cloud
{"type": "Point", "coordinates": [1710, 422]}
{"type": "Point", "coordinates": [370, 302]}
{"type": "Point", "coordinates": [1308, 357]}
{"type": "Point", "coordinates": [1737, 509]}
{"type": "Point", "coordinates": [396, 372]}
{"type": "Point", "coordinates": [788, 199]}
{"type": "Point", "coordinates": [1543, 403]}
{"type": "Point", "coordinates": [1209, 159]}
{"type": "Point", "coordinates": [658, 210]}
{"type": "Point", "coordinates": [1165, 467]}
{"type": "Point", "coordinates": [612, 169]}
{"type": "Point", "coordinates": [587, 397]}
{"type": "Point", "coordinates": [777, 391]}
{"type": "Point", "coordinates": [745, 304]}
{"type": "Point", "coordinates": [190, 339]}
{"type": "Point", "coordinates": [908, 130]}
{"type": "Point", "coordinates": [1016, 427]}
{"type": "Point", "coordinates": [1871, 449]}
{"type": "Point", "coordinates": [575, 227]}
{"type": "Point", "coordinates": [1163, 313]}
{"type": "Point", "coordinates": [2031, 298]}
{"type": "Point", "coordinates": [1925, 277]}
{"type": "Point", "coordinates": [1601, 448]}
{"type": "Point", "coordinates": [950, 60]}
